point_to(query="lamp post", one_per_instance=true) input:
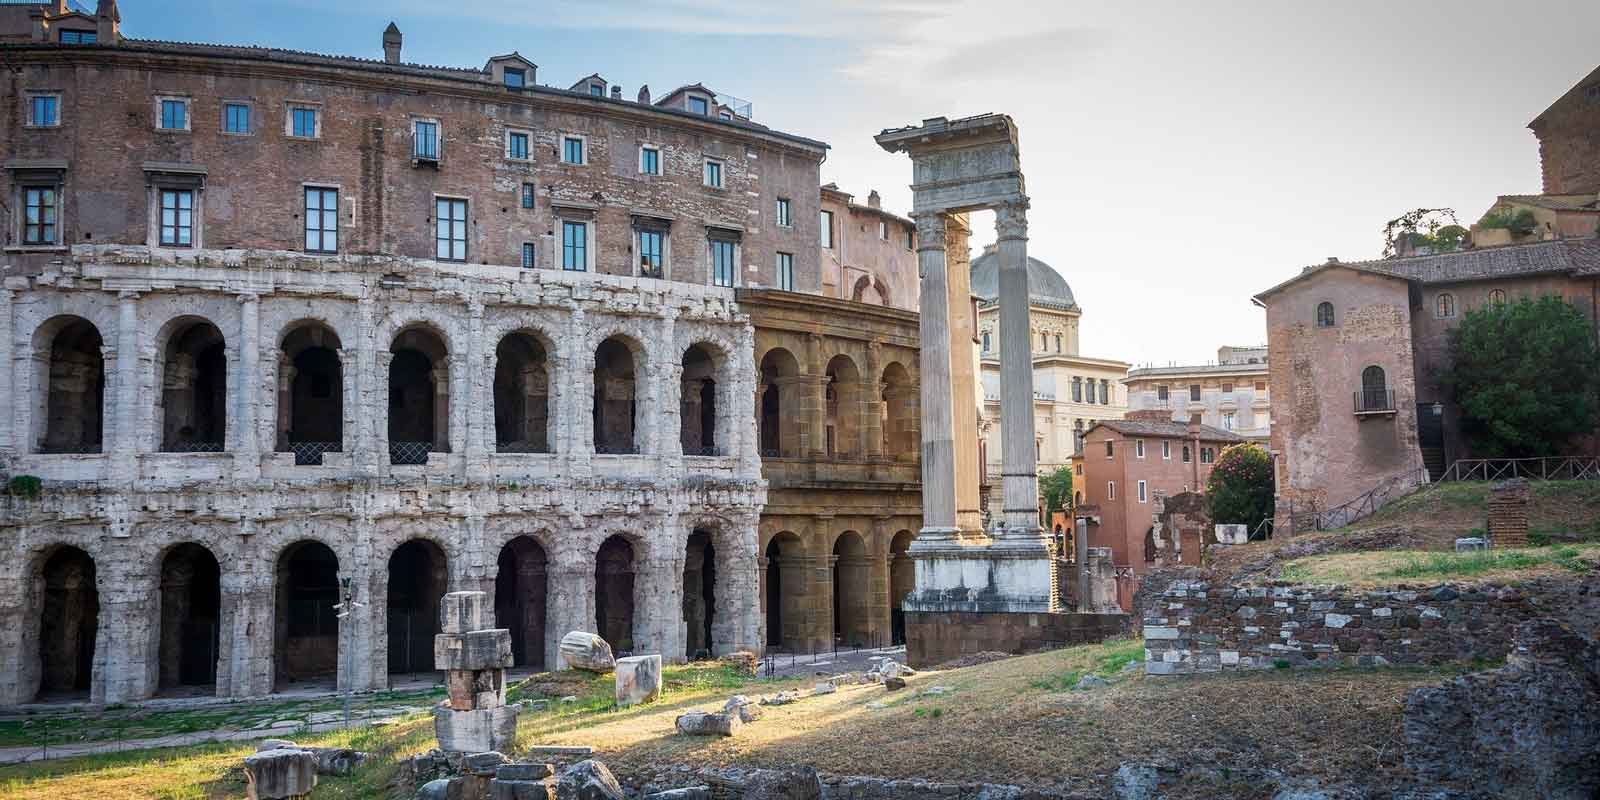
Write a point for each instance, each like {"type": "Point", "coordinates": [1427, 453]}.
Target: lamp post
{"type": "Point", "coordinates": [346, 611]}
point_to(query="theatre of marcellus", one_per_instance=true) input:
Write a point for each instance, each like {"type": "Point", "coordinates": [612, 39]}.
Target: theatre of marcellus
{"type": "Point", "coordinates": [288, 329]}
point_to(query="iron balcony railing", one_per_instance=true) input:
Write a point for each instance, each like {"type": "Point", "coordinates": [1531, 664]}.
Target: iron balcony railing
{"type": "Point", "coordinates": [309, 454]}
{"type": "Point", "coordinates": [1374, 401]}
{"type": "Point", "coordinates": [409, 452]}
{"type": "Point", "coordinates": [195, 447]}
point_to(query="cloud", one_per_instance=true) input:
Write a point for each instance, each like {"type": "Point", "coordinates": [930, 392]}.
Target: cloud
{"type": "Point", "coordinates": [923, 56]}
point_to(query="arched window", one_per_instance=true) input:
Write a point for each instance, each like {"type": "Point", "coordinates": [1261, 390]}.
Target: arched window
{"type": "Point", "coordinates": [1324, 315]}
{"type": "Point", "coordinates": [1058, 343]}
{"type": "Point", "coordinates": [1444, 305]}
{"type": "Point", "coordinates": [1497, 297]}
{"type": "Point", "coordinates": [1374, 390]}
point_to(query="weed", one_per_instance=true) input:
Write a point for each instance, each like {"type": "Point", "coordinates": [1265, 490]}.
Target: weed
{"type": "Point", "coordinates": [936, 713]}
{"type": "Point", "coordinates": [1280, 663]}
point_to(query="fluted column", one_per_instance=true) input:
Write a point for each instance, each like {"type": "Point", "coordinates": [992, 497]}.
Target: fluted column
{"type": "Point", "coordinates": [938, 423]}
{"type": "Point", "coordinates": [1019, 470]}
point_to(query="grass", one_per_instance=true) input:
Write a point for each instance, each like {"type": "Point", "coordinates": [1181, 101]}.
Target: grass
{"type": "Point", "coordinates": [1115, 655]}
{"type": "Point", "coordinates": [1383, 567]}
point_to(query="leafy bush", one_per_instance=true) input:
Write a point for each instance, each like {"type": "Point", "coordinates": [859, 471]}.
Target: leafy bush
{"type": "Point", "coordinates": [1239, 490]}
{"type": "Point", "coordinates": [27, 486]}
{"type": "Point", "coordinates": [1519, 222]}
{"type": "Point", "coordinates": [1057, 490]}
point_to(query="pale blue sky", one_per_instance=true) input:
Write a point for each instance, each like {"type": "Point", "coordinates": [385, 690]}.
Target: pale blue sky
{"type": "Point", "coordinates": [1180, 156]}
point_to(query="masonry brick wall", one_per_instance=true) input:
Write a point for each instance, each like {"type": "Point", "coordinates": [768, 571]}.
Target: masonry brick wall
{"type": "Point", "coordinates": [1201, 626]}
{"type": "Point", "coordinates": [934, 638]}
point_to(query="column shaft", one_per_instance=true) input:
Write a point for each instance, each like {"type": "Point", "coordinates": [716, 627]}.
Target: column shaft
{"type": "Point", "coordinates": [938, 424]}
{"type": "Point", "coordinates": [1018, 460]}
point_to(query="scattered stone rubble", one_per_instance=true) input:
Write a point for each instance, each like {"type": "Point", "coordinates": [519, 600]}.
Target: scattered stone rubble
{"type": "Point", "coordinates": [474, 718]}
{"type": "Point", "coordinates": [282, 769]}
{"type": "Point", "coordinates": [587, 651]}
{"type": "Point", "coordinates": [638, 680]}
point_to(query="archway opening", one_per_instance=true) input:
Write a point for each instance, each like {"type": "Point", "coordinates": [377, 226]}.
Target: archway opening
{"type": "Point", "coordinates": [901, 436]}
{"type": "Point", "coordinates": [521, 395]}
{"type": "Point", "coordinates": [74, 389]}
{"type": "Point", "coordinates": [850, 586]}
{"type": "Point", "coordinates": [615, 407]}
{"type": "Point", "coordinates": [843, 398]}
{"type": "Point", "coordinates": [419, 397]}
{"type": "Point", "coordinates": [782, 593]}
{"type": "Point", "coordinates": [699, 599]}
{"type": "Point", "coordinates": [306, 631]}
{"type": "Point", "coordinates": [780, 437]}
{"type": "Point", "coordinates": [310, 394]}
{"type": "Point", "coordinates": [902, 581]}
{"type": "Point", "coordinates": [520, 586]}
{"type": "Point", "coordinates": [194, 390]}
{"type": "Point", "coordinates": [69, 621]}
{"type": "Point", "coordinates": [697, 418]}
{"type": "Point", "coordinates": [613, 594]}
{"type": "Point", "coordinates": [191, 614]}
{"type": "Point", "coordinates": [417, 579]}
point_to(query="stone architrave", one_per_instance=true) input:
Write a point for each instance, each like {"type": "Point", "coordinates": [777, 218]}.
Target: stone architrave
{"type": "Point", "coordinates": [474, 717]}
{"type": "Point", "coordinates": [638, 680]}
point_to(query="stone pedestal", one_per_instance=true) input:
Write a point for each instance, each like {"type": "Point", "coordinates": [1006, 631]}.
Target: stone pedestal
{"type": "Point", "coordinates": [638, 680]}
{"type": "Point", "coordinates": [474, 718]}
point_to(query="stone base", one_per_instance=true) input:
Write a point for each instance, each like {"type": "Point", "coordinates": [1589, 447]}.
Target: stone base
{"type": "Point", "coordinates": [936, 637]}
{"type": "Point", "coordinates": [638, 680]}
{"type": "Point", "coordinates": [475, 731]}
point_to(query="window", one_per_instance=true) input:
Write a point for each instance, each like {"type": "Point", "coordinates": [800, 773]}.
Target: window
{"type": "Point", "coordinates": [1592, 93]}
{"type": "Point", "coordinates": [1111, 490]}
{"type": "Point", "coordinates": [1109, 453]}
{"type": "Point", "coordinates": [322, 220]}
{"type": "Point", "coordinates": [1374, 389]}
{"type": "Point", "coordinates": [515, 77]}
{"type": "Point", "coordinates": [235, 118]}
{"type": "Point", "coordinates": [649, 161]}
{"type": "Point", "coordinates": [1208, 455]}
{"type": "Point", "coordinates": [1077, 469]}
{"type": "Point", "coordinates": [572, 150]}
{"type": "Point", "coordinates": [575, 246]}
{"type": "Point", "coordinates": [1058, 343]}
{"type": "Point", "coordinates": [1186, 454]}
{"type": "Point", "coordinates": [1138, 448]}
{"type": "Point", "coordinates": [177, 217]}
{"type": "Point", "coordinates": [827, 230]}
{"type": "Point", "coordinates": [425, 140]}
{"type": "Point", "coordinates": [724, 115]}
{"type": "Point", "coordinates": [722, 269]}
{"type": "Point", "coordinates": [1227, 388]}
{"type": "Point", "coordinates": [1166, 451]}
{"type": "Point", "coordinates": [699, 105]}
{"type": "Point", "coordinates": [1143, 497]}
{"type": "Point", "coordinates": [1044, 341]}
{"type": "Point", "coordinates": [303, 122]}
{"type": "Point", "coordinates": [517, 145]}
{"type": "Point", "coordinates": [786, 271]}
{"type": "Point", "coordinates": [597, 90]}
{"type": "Point", "coordinates": [527, 255]}
{"type": "Point", "coordinates": [1162, 393]}
{"type": "Point", "coordinates": [450, 238]}
{"type": "Point", "coordinates": [174, 115]}
{"type": "Point", "coordinates": [39, 225]}
{"type": "Point", "coordinates": [1105, 392]}
{"type": "Point", "coordinates": [650, 247]}
{"type": "Point", "coordinates": [784, 219]}
{"type": "Point", "coordinates": [911, 238]}
{"type": "Point", "coordinates": [1077, 390]}
{"type": "Point", "coordinates": [1227, 421]}
{"type": "Point", "coordinates": [78, 37]}
{"type": "Point", "coordinates": [713, 174]}
{"type": "Point", "coordinates": [1444, 305]}
{"type": "Point", "coordinates": [1194, 392]}
{"type": "Point", "coordinates": [883, 230]}
{"type": "Point", "coordinates": [527, 195]}
{"type": "Point", "coordinates": [1497, 297]}
{"type": "Point", "coordinates": [1324, 315]}
{"type": "Point", "coordinates": [43, 110]}
{"type": "Point", "coordinates": [985, 341]}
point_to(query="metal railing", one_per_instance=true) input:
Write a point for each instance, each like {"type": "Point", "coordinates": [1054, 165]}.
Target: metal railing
{"type": "Point", "coordinates": [703, 451]}
{"type": "Point", "coordinates": [1362, 506]}
{"type": "Point", "coordinates": [616, 450]}
{"type": "Point", "coordinates": [195, 447]}
{"type": "Point", "coordinates": [93, 448]}
{"type": "Point", "coordinates": [520, 447]}
{"type": "Point", "coordinates": [309, 454]}
{"type": "Point", "coordinates": [1373, 401]}
{"type": "Point", "coordinates": [1548, 468]}
{"type": "Point", "coordinates": [409, 452]}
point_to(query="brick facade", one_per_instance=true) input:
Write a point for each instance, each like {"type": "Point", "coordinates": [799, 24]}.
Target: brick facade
{"type": "Point", "coordinates": [1569, 149]}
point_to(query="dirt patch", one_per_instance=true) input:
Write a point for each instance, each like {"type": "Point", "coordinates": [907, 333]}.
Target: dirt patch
{"type": "Point", "coordinates": [974, 659]}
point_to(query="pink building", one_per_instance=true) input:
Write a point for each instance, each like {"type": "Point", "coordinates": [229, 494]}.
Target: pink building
{"type": "Point", "coordinates": [869, 255]}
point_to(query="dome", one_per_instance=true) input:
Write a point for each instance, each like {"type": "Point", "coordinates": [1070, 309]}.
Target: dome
{"type": "Point", "coordinates": [1046, 287]}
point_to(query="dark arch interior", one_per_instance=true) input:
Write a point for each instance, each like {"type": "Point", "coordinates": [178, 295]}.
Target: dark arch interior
{"type": "Point", "coordinates": [697, 417]}
{"type": "Point", "coordinates": [311, 415]}
{"type": "Point", "coordinates": [418, 409]}
{"type": "Point", "coordinates": [902, 581]}
{"type": "Point", "coordinates": [306, 632]}
{"type": "Point", "coordinates": [417, 580]}
{"type": "Point", "coordinates": [519, 599]}
{"type": "Point", "coordinates": [614, 403]}
{"type": "Point", "coordinates": [191, 612]}
{"type": "Point", "coordinates": [75, 392]}
{"type": "Point", "coordinates": [778, 436]}
{"type": "Point", "coordinates": [849, 590]}
{"type": "Point", "coordinates": [699, 599]}
{"type": "Point", "coordinates": [194, 390]}
{"type": "Point", "coordinates": [613, 595]}
{"type": "Point", "coordinates": [521, 395]}
{"type": "Point", "coordinates": [843, 407]}
{"type": "Point", "coordinates": [69, 620]}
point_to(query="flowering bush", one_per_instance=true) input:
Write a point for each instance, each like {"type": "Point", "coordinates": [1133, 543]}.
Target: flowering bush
{"type": "Point", "coordinates": [1239, 490]}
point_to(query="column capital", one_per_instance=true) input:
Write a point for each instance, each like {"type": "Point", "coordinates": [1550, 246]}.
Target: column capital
{"type": "Point", "coordinates": [1011, 219]}
{"type": "Point", "coordinates": [930, 230]}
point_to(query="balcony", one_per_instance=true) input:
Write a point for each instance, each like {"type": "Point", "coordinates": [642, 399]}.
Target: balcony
{"type": "Point", "coordinates": [1373, 402]}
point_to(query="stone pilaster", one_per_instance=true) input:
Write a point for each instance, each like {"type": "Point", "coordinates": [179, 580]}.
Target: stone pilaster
{"type": "Point", "coordinates": [125, 408]}
{"type": "Point", "coordinates": [243, 429]}
{"type": "Point", "coordinates": [9, 401]}
{"type": "Point", "coordinates": [370, 459]}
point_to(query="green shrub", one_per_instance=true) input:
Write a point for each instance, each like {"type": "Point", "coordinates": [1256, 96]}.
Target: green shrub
{"type": "Point", "coordinates": [27, 486]}
{"type": "Point", "coordinates": [1519, 222]}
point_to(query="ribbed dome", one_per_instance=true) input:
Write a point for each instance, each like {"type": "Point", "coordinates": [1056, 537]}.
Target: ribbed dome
{"type": "Point", "coordinates": [1046, 287]}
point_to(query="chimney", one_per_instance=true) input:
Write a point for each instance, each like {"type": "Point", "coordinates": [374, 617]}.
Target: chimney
{"type": "Point", "coordinates": [616, 92]}
{"type": "Point", "coordinates": [644, 95]}
{"type": "Point", "coordinates": [391, 43]}
{"type": "Point", "coordinates": [36, 24]}
{"type": "Point", "coordinates": [1194, 425]}
{"type": "Point", "coordinates": [873, 200]}
{"type": "Point", "coordinates": [108, 27]}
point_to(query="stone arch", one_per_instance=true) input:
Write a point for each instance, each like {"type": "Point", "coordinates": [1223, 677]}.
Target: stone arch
{"type": "Point", "coordinates": [192, 370]}
{"type": "Point", "coordinates": [870, 289]}
{"type": "Point", "coordinates": [842, 396]}
{"type": "Point", "coordinates": [902, 582]}
{"type": "Point", "coordinates": [615, 576]}
{"type": "Point", "coordinates": [699, 594]}
{"type": "Point", "coordinates": [73, 379]}
{"type": "Point", "coordinates": [190, 602]}
{"type": "Point", "coordinates": [779, 404]}
{"type": "Point", "coordinates": [784, 590]}
{"type": "Point", "coordinates": [704, 402]}
{"type": "Point", "coordinates": [521, 598]}
{"type": "Point", "coordinates": [522, 390]}
{"type": "Point", "coordinates": [68, 607]}
{"type": "Point", "coordinates": [619, 366]}
{"type": "Point", "coordinates": [418, 576]}
{"type": "Point", "coordinates": [305, 625]}
{"type": "Point", "coordinates": [902, 436]}
{"type": "Point", "coordinates": [851, 585]}
{"type": "Point", "coordinates": [310, 391]}
{"type": "Point", "coordinates": [419, 394]}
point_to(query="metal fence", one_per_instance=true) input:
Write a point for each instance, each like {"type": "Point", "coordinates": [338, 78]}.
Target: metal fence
{"type": "Point", "coordinates": [1361, 507]}
{"type": "Point", "coordinates": [309, 454]}
{"type": "Point", "coordinates": [195, 447]}
{"type": "Point", "coordinates": [1549, 468]}
{"type": "Point", "coordinates": [409, 452]}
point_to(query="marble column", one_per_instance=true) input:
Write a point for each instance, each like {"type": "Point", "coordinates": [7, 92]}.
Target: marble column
{"type": "Point", "coordinates": [1020, 480]}
{"type": "Point", "coordinates": [938, 423]}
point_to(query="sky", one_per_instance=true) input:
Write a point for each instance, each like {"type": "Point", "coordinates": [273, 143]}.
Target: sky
{"type": "Point", "coordinates": [1179, 156]}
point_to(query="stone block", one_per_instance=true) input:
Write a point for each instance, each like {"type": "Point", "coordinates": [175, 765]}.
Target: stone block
{"type": "Point", "coordinates": [473, 650]}
{"type": "Point", "coordinates": [1160, 633]}
{"type": "Point", "coordinates": [686, 793]}
{"type": "Point", "coordinates": [587, 651]}
{"type": "Point", "coordinates": [279, 774]}
{"type": "Point", "coordinates": [801, 783]}
{"type": "Point", "coordinates": [476, 731]}
{"type": "Point", "coordinates": [700, 723]}
{"type": "Point", "coordinates": [523, 772]}
{"type": "Point", "coordinates": [588, 780]}
{"type": "Point", "coordinates": [461, 612]}
{"type": "Point", "coordinates": [485, 763]}
{"type": "Point", "coordinates": [638, 680]}
{"type": "Point", "coordinates": [1467, 544]}
{"type": "Point", "coordinates": [742, 706]}
{"type": "Point", "coordinates": [520, 790]}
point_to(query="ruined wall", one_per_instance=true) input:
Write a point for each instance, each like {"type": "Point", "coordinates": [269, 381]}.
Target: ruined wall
{"type": "Point", "coordinates": [1569, 149]}
{"type": "Point", "coordinates": [937, 637]}
{"type": "Point", "coordinates": [1196, 625]}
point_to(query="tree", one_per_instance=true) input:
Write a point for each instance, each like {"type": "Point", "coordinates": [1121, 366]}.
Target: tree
{"type": "Point", "coordinates": [1056, 489]}
{"type": "Point", "coordinates": [1239, 489]}
{"type": "Point", "coordinates": [1525, 375]}
{"type": "Point", "coordinates": [1434, 230]}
